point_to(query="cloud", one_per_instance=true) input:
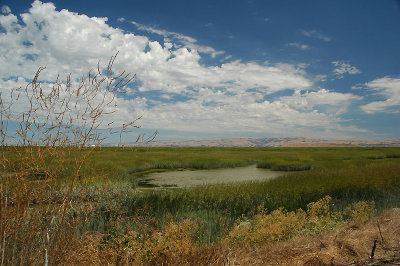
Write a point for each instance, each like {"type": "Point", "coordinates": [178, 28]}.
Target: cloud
{"type": "Point", "coordinates": [315, 34]}
{"type": "Point", "coordinates": [215, 112]}
{"type": "Point", "coordinates": [5, 9]}
{"type": "Point", "coordinates": [121, 19]}
{"type": "Point", "coordinates": [344, 68]}
{"type": "Point", "coordinates": [330, 102]}
{"type": "Point", "coordinates": [174, 90]}
{"type": "Point", "coordinates": [298, 45]}
{"type": "Point", "coordinates": [389, 88]}
{"type": "Point", "coordinates": [212, 111]}
{"type": "Point", "coordinates": [180, 38]}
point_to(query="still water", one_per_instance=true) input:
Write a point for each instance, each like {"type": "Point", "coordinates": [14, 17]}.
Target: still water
{"type": "Point", "coordinates": [187, 178]}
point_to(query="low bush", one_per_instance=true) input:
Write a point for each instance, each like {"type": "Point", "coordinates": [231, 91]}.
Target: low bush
{"type": "Point", "coordinates": [281, 225]}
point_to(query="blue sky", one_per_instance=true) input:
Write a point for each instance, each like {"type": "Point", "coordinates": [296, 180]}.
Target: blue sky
{"type": "Point", "coordinates": [210, 69]}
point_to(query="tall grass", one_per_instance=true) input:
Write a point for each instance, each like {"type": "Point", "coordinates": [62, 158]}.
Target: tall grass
{"type": "Point", "coordinates": [346, 174]}
{"type": "Point", "coordinates": [291, 191]}
{"type": "Point", "coordinates": [195, 164]}
{"type": "Point", "coordinates": [182, 241]}
{"type": "Point", "coordinates": [282, 165]}
{"type": "Point", "coordinates": [113, 164]}
{"type": "Point", "coordinates": [48, 147]}
{"type": "Point", "coordinates": [205, 215]}
{"type": "Point", "coordinates": [219, 206]}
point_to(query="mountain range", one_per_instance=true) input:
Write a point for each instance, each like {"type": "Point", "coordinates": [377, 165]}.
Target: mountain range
{"type": "Point", "coordinates": [265, 142]}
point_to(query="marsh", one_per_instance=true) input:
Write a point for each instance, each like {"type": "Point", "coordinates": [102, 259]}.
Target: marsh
{"type": "Point", "coordinates": [188, 178]}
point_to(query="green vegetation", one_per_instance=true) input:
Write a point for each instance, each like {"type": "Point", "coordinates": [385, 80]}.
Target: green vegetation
{"type": "Point", "coordinates": [109, 199]}
{"type": "Point", "coordinates": [121, 163]}
{"type": "Point", "coordinates": [346, 174]}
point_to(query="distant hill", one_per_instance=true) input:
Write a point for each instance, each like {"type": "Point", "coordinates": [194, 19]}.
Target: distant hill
{"type": "Point", "coordinates": [267, 142]}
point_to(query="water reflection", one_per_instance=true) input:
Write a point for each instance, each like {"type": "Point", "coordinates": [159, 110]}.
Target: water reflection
{"type": "Point", "coordinates": [187, 178]}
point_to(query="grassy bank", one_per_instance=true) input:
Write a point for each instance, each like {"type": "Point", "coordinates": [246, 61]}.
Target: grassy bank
{"type": "Point", "coordinates": [348, 175]}
{"type": "Point", "coordinates": [219, 206]}
{"type": "Point", "coordinates": [119, 164]}
{"type": "Point", "coordinates": [110, 210]}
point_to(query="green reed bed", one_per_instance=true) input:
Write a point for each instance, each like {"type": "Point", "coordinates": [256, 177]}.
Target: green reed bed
{"type": "Point", "coordinates": [282, 165]}
{"type": "Point", "coordinates": [197, 164]}
{"type": "Point", "coordinates": [291, 191]}
{"type": "Point", "coordinates": [108, 182]}
{"type": "Point", "coordinates": [339, 171]}
{"type": "Point", "coordinates": [111, 160]}
{"type": "Point", "coordinates": [219, 206]}
{"type": "Point", "coordinates": [118, 164]}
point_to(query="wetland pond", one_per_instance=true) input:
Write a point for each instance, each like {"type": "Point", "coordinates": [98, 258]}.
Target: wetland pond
{"type": "Point", "coordinates": [188, 178]}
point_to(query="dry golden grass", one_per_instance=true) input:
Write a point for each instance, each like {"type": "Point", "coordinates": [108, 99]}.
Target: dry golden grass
{"type": "Point", "coordinates": [282, 225]}
{"type": "Point", "coordinates": [47, 145]}
{"type": "Point", "coordinates": [266, 241]}
{"type": "Point", "coordinates": [350, 245]}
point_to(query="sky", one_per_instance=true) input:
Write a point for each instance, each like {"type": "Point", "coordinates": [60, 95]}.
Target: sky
{"type": "Point", "coordinates": [217, 69]}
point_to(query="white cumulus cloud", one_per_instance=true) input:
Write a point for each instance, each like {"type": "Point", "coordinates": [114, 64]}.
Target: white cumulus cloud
{"type": "Point", "coordinates": [316, 34]}
{"type": "Point", "coordinates": [180, 38]}
{"type": "Point", "coordinates": [389, 88]}
{"type": "Point", "coordinates": [5, 9]}
{"type": "Point", "coordinates": [181, 93]}
{"type": "Point", "coordinates": [331, 102]}
{"type": "Point", "coordinates": [342, 68]}
{"type": "Point", "coordinates": [298, 45]}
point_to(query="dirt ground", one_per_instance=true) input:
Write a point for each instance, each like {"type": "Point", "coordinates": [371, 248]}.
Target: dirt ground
{"type": "Point", "coordinates": [351, 245]}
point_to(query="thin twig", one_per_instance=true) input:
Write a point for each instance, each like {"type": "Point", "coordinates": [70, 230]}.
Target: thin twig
{"type": "Point", "coordinates": [380, 232]}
